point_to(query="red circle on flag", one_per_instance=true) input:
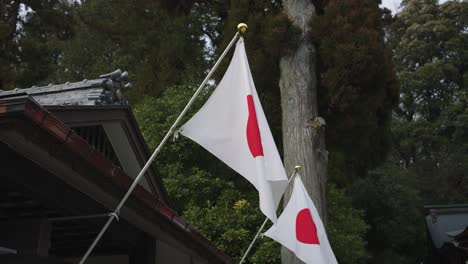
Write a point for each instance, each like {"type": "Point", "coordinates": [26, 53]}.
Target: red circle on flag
{"type": "Point", "coordinates": [254, 139]}
{"type": "Point", "coordinates": [306, 231]}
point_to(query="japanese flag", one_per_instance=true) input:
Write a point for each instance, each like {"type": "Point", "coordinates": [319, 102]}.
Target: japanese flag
{"type": "Point", "coordinates": [300, 229]}
{"type": "Point", "coordinates": [232, 126]}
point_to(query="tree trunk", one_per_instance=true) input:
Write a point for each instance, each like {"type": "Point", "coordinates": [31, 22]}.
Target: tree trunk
{"type": "Point", "coordinates": [8, 21]}
{"type": "Point", "coordinates": [303, 129]}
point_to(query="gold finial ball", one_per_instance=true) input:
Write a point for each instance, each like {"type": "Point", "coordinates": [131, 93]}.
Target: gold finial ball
{"type": "Point", "coordinates": [242, 27]}
{"type": "Point", "coordinates": [298, 168]}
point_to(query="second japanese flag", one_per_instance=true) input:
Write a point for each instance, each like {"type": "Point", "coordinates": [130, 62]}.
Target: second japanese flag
{"type": "Point", "coordinates": [232, 126]}
{"type": "Point", "coordinates": [300, 229]}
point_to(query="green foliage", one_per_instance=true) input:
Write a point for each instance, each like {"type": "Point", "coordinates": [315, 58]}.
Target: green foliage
{"type": "Point", "coordinates": [159, 47]}
{"type": "Point", "coordinates": [346, 227]}
{"type": "Point", "coordinates": [428, 161]}
{"type": "Point", "coordinates": [267, 251]}
{"type": "Point", "coordinates": [357, 86]}
{"type": "Point", "coordinates": [8, 19]}
{"type": "Point", "coordinates": [231, 222]}
{"type": "Point", "coordinates": [393, 207]}
{"type": "Point", "coordinates": [430, 129]}
{"type": "Point", "coordinates": [357, 91]}
{"type": "Point", "coordinates": [31, 40]}
{"type": "Point", "coordinates": [430, 42]}
{"type": "Point", "coordinates": [44, 30]}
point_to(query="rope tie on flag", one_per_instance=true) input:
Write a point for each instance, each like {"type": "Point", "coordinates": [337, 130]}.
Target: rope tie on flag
{"type": "Point", "coordinates": [115, 215]}
{"type": "Point", "coordinates": [176, 135]}
{"type": "Point", "coordinates": [241, 29]}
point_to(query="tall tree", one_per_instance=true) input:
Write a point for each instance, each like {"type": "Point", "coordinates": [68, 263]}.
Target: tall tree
{"type": "Point", "coordinates": [358, 87]}
{"type": "Point", "coordinates": [8, 21]}
{"type": "Point", "coordinates": [341, 70]}
{"type": "Point", "coordinates": [431, 44]}
{"type": "Point", "coordinates": [45, 26]}
{"type": "Point", "coordinates": [427, 164]}
{"type": "Point", "coordinates": [30, 32]}
{"type": "Point", "coordinates": [158, 42]}
{"type": "Point", "coordinates": [303, 128]}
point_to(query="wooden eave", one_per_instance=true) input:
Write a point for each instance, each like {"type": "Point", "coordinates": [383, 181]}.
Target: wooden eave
{"type": "Point", "coordinates": [29, 114]}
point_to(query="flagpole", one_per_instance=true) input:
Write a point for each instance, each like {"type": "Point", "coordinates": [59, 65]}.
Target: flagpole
{"type": "Point", "coordinates": [241, 29]}
{"type": "Point", "coordinates": [296, 170]}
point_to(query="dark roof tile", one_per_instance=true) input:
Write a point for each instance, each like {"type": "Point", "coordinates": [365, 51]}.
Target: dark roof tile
{"type": "Point", "coordinates": [108, 89]}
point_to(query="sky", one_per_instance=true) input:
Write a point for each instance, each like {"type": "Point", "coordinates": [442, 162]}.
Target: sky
{"type": "Point", "coordinates": [391, 4]}
{"type": "Point", "coordinates": [395, 4]}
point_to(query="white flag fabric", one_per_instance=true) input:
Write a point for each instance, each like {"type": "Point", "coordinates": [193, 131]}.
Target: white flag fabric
{"type": "Point", "coordinates": [300, 229]}
{"type": "Point", "coordinates": [233, 127]}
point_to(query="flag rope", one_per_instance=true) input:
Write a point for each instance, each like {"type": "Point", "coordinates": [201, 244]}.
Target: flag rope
{"type": "Point", "coordinates": [114, 215]}
{"type": "Point", "coordinates": [296, 170]}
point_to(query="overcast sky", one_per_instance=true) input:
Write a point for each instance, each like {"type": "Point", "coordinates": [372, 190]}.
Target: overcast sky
{"type": "Point", "coordinates": [391, 4]}
{"type": "Point", "coordinates": [394, 4]}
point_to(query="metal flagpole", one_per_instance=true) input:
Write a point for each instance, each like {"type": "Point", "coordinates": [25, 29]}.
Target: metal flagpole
{"type": "Point", "coordinates": [241, 29]}
{"type": "Point", "coordinates": [296, 170]}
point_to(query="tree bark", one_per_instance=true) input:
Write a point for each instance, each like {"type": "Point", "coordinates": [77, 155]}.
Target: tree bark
{"type": "Point", "coordinates": [303, 129]}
